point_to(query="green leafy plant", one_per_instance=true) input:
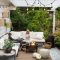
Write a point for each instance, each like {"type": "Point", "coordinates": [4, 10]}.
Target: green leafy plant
{"type": "Point", "coordinates": [57, 42]}
{"type": "Point", "coordinates": [37, 20]}
{"type": "Point", "coordinates": [8, 46]}
{"type": "Point", "coordinates": [57, 39]}
{"type": "Point", "coordinates": [58, 13]}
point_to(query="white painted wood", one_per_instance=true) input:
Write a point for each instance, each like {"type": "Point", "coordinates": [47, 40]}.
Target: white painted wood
{"type": "Point", "coordinates": [47, 3]}
{"type": "Point", "coordinates": [53, 21]}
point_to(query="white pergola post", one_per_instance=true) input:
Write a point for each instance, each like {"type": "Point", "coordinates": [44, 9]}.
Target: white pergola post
{"type": "Point", "coordinates": [53, 21]}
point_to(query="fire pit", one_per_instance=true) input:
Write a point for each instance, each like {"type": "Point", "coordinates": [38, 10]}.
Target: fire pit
{"type": "Point", "coordinates": [32, 46]}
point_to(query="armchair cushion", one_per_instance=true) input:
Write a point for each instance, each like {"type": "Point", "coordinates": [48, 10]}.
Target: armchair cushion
{"type": "Point", "coordinates": [1, 43]}
{"type": "Point", "coordinates": [16, 47]}
{"type": "Point", "coordinates": [37, 35]}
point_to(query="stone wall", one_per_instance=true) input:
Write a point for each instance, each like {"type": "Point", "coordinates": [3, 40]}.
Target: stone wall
{"type": "Point", "coordinates": [1, 22]}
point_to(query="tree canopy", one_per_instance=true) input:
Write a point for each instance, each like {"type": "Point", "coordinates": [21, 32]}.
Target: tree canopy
{"type": "Point", "coordinates": [37, 20]}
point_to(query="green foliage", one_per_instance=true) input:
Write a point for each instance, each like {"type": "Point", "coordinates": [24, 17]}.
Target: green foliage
{"type": "Point", "coordinates": [58, 18]}
{"type": "Point", "coordinates": [57, 39]}
{"type": "Point", "coordinates": [37, 20]}
{"type": "Point", "coordinates": [40, 22]}
{"type": "Point", "coordinates": [18, 20]}
{"type": "Point", "coordinates": [8, 44]}
{"type": "Point", "coordinates": [34, 25]}
{"type": "Point", "coordinates": [58, 13]}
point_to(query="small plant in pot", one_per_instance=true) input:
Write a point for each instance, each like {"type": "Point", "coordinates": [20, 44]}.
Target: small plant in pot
{"type": "Point", "coordinates": [8, 46]}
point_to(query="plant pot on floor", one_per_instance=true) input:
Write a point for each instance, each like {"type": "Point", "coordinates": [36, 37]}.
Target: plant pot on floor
{"type": "Point", "coordinates": [8, 44]}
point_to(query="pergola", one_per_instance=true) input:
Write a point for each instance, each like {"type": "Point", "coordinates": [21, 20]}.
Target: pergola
{"type": "Point", "coordinates": [53, 4]}
{"type": "Point", "coordinates": [7, 5]}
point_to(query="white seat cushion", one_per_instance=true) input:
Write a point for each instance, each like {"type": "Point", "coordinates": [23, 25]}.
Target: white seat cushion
{"type": "Point", "coordinates": [16, 47]}
{"type": "Point", "coordinates": [37, 35]}
{"type": "Point", "coordinates": [1, 43]}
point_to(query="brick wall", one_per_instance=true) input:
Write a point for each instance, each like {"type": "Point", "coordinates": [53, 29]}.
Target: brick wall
{"type": "Point", "coordinates": [5, 12]}
{"type": "Point", "coordinates": [1, 22]}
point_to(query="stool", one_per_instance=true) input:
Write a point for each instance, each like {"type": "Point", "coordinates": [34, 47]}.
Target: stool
{"type": "Point", "coordinates": [45, 53]}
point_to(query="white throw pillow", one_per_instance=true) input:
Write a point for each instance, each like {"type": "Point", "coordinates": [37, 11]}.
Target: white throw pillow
{"type": "Point", "coordinates": [34, 54]}
{"type": "Point", "coordinates": [37, 56]}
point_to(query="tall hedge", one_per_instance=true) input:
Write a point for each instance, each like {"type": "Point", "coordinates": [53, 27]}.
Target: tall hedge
{"type": "Point", "coordinates": [37, 20]}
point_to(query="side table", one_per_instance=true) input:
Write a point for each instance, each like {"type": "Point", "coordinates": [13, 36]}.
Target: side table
{"type": "Point", "coordinates": [7, 56]}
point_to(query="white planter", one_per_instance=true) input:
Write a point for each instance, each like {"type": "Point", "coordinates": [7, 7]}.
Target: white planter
{"type": "Point", "coordinates": [45, 53]}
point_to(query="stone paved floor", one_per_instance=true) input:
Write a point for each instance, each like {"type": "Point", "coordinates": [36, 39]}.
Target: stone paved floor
{"type": "Point", "coordinates": [54, 53]}
{"type": "Point", "coordinates": [26, 56]}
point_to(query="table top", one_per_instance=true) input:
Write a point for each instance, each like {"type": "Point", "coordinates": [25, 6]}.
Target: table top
{"type": "Point", "coordinates": [2, 53]}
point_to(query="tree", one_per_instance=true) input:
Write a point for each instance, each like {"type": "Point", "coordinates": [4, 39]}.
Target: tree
{"type": "Point", "coordinates": [58, 18]}
{"type": "Point", "coordinates": [40, 22]}
{"type": "Point", "coordinates": [18, 19]}
{"type": "Point", "coordinates": [58, 13]}
{"type": "Point", "coordinates": [37, 20]}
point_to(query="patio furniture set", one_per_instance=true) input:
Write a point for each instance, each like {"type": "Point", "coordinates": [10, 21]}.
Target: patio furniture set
{"type": "Point", "coordinates": [42, 54]}
{"type": "Point", "coordinates": [36, 38]}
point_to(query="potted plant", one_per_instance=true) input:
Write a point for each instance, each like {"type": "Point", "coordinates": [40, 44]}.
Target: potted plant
{"type": "Point", "coordinates": [8, 46]}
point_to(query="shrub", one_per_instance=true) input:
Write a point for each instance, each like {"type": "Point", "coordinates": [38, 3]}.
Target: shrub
{"type": "Point", "coordinates": [8, 46]}
{"type": "Point", "coordinates": [57, 39]}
